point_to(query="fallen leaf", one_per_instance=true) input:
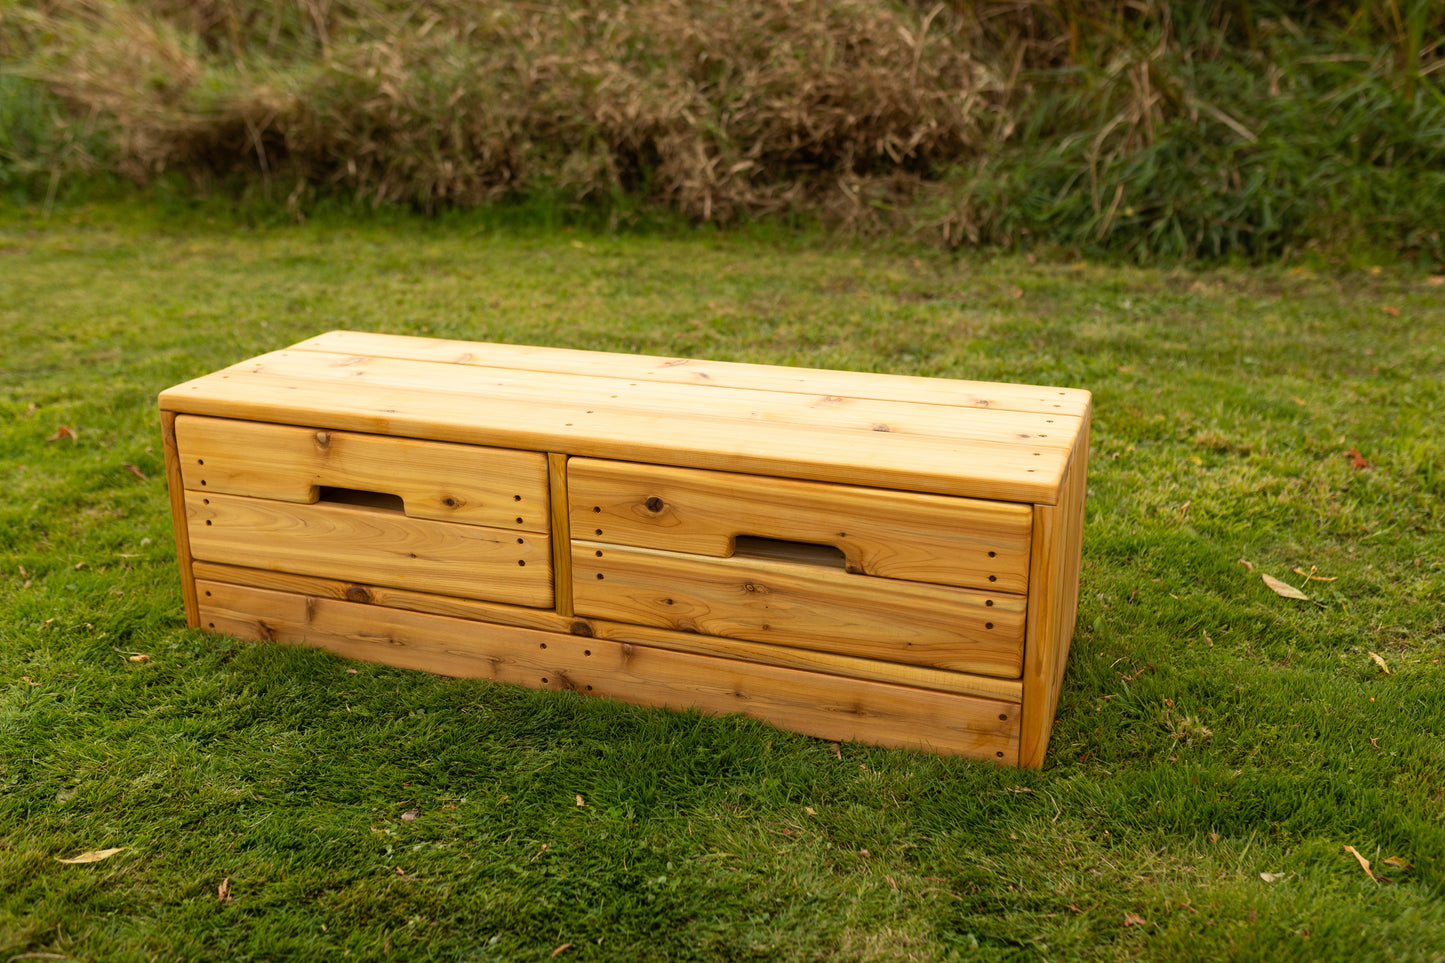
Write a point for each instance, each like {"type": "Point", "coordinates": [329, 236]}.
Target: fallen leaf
{"type": "Point", "coordinates": [1380, 662]}
{"type": "Point", "coordinates": [64, 431]}
{"type": "Point", "coordinates": [1284, 588]}
{"type": "Point", "coordinates": [1073, 908]}
{"type": "Point", "coordinates": [1312, 576]}
{"type": "Point", "coordinates": [94, 856]}
{"type": "Point", "coordinates": [1272, 877]}
{"type": "Point", "coordinates": [140, 657]}
{"type": "Point", "coordinates": [1365, 865]}
{"type": "Point", "coordinates": [564, 946]}
{"type": "Point", "coordinates": [891, 882]}
{"type": "Point", "coordinates": [1357, 460]}
{"type": "Point", "coordinates": [810, 810]}
{"type": "Point", "coordinates": [135, 471]}
{"type": "Point", "coordinates": [1375, 741]}
{"type": "Point", "coordinates": [1213, 839]}
{"type": "Point", "coordinates": [223, 892]}
{"type": "Point", "coordinates": [1016, 292]}
{"type": "Point", "coordinates": [1435, 280]}
{"type": "Point", "coordinates": [837, 750]}
{"type": "Point", "coordinates": [1398, 863]}
{"type": "Point", "coordinates": [410, 815]}
{"type": "Point", "coordinates": [400, 871]}
{"type": "Point", "coordinates": [580, 803]}
{"type": "Point", "coordinates": [1134, 919]}
{"type": "Point", "coordinates": [1393, 312]}
{"type": "Point", "coordinates": [1247, 564]}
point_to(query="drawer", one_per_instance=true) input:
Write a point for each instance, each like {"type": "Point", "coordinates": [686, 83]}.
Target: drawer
{"type": "Point", "coordinates": [793, 600]}
{"type": "Point", "coordinates": [936, 539]}
{"type": "Point", "coordinates": [473, 485]}
{"type": "Point", "coordinates": [369, 539]}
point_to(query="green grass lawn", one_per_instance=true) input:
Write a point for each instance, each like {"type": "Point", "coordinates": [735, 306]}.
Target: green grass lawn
{"type": "Point", "coordinates": [1217, 746]}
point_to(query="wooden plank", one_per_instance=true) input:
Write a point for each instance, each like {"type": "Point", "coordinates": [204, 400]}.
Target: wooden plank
{"type": "Point", "coordinates": [361, 544]}
{"type": "Point", "coordinates": [1053, 607]}
{"type": "Point", "coordinates": [178, 517]}
{"type": "Point", "coordinates": [1008, 690]}
{"type": "Point", "coordinates": [891, 534]}
{"type": "Point", "coordinates": [802, 606]}
{"type": "Point", "coordinates": [759, 409]}
{"type": "Point", "coordinates": [445, 482]}
{"type": "Point", "coordinates": [827, 707]}
{"type": "Point", "coordinates": [561, 533]}
{"type": "Point", "coordinates": [851, 384]}
{"type": "Point", "coordinates": [862, 456]}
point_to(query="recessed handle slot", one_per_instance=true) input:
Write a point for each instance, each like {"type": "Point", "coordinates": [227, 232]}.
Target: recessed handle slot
{"type": "Point", "coordinates": [376, 501]}
{"type": "Point", "coordinates": [776, 549]}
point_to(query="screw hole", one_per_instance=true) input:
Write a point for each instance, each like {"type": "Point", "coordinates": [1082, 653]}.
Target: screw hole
{"type": "Point", "coordinates": [999, 755]}
{"type": "Point", "coordinates": [516, 498]}
{"type": "Point", "coordinates": [519, 521]}
{"type": "Point", "coordinates": [993, 554]}
{"type": "Point", "coordinates": [208, 595]}
{"type": "Point", "coordinates": [544, 680]}
{"type": "Point", "coordinates": [586, 651]}
{"type": "Point", "coordinates": [599, 553]}
{"type": "Point", "coordinates": [599, 576]}
{"type": "Point", "coordinates": [543, 644]}
{"type": "Point", "coordinates": [200, 461]}
{"type": "Point", "coordinates": [203, 483]}
{"type": "Point", "coordinates": [589, 688]}
{"type": "Point", "coordinates": [1002, 717]}
{"type": "Point", "coordinates": [521, 563]}
{"type": "Point", "coordinates": [988, 625]}
{"type": "Point", "coordinates": [599, 531]}
{"type": "Point", "coordinates": [211, 625]}
{"type": "Point", "coordinates": [989, 603]}
{"type": "Point", "coordinates": [208, 521]}
{"type": "Point", "coordinates": [521, 541]}
{"type": "Point", "coordinates": [993, 578]}
{"type": "Point", "coordinates": [597, 509]}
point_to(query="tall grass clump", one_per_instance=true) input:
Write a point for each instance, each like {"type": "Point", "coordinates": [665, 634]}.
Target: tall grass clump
{"type": "Point", "coordinates": [1152, 130]}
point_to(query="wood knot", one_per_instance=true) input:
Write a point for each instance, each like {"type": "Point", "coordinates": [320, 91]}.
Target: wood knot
{"type": "Point", "coordinates": [654, 504]}
{"type": "Point", "coordinates": [579, 627]}
{"type": "Point", "coordinates": [358, 593]}
{"type": "Point", "coordinates": [323, 438]}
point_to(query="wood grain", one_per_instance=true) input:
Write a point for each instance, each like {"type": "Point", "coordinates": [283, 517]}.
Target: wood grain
{"type": "Point", "coordinates": [850, 384]}
{"type": "Point", "coordinates": [1053, 605]}
{"type": "Point", "coordinates": [921, 677]}
{"type": "Point", "coordinates": [561, 533]}
{"type": "Point", "coordinates": [901, 535]}
{"type": "Point", "coordinates": [360, 544]}
{"type": "Point", "coordinates": [454, 483]}
{"type": "Point", "coordinates": [829, 707]}
{"type": "Point", "coordinates": [802, 606]}
{"type": "Point", "coordinates": [178, 517]}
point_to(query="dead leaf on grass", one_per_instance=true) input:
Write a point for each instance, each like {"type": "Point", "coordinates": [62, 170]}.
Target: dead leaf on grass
{"type": "Point", "coordinates": [1397, 862]}
{"type": "Point", "coordinates": [1284, 588]}
{"type": "Point", "coordinates": [1272, 877]}
{"type": "Point", "coordinates": [64, 431]}
{"type": "Point", "coordinates": [810, 810]}
{"type": "Point", "coordinates": [140, 657]}
{"type": "Point", "coordinates": [580, 801]}
{"type": "Point", "coordinates": [410, 815]}
{"type": "Point", "coordinates": [1391, 310]}
{"type": "Point", "coordinates": [1380, 662]}
{"type": "Point", "coordinates": [1247, 564]}
{"type": "Point", "coordinates": [564, 946]}
{"type": "Point", "coordinates": [1134, 919]}
{"type": "Point", "coordinates": [223, 892]}
{"type": "Point", "coordinates": [1435, 280]}
{"type": "Point", "coordinates": [136, 471]}
{"type": "Point", "coordinates": [93, 856]}
{"type": "Point", "coordinates": [1365, 865]}
{"type": "Point", "coordinates": [1312, 576]}
{"type": "Point", "coordinates": [1358, 460]}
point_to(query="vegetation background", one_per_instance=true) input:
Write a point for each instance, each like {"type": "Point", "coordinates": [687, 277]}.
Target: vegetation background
{"type": "Point", "coordinates": [1151, 129]}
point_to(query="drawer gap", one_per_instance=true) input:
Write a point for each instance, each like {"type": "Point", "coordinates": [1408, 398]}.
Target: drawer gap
{"type": "Point", "coordinates": [376, 501]}
{"type": "Point", "coordinates": [806, 553]}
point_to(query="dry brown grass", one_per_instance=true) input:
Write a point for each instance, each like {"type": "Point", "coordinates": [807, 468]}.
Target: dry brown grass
{"type": "Point", "coordinates": [715, 109]}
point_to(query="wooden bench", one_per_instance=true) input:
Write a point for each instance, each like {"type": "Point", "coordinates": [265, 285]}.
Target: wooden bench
{"type": "Point", "coordinates": [853, 556]}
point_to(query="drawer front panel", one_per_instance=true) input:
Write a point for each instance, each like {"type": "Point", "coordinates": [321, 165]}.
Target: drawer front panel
{"type": "Point", "coordinates": [900, 535]}
{"type": "Point", "coordinates": [803, 605]}
{"type": "Point", "coordinates": [362, 544]}
{"type": "Point", "coordinates": [434, 480]}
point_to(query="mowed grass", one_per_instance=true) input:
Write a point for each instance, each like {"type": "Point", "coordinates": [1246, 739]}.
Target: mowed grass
{"type": "Point", "coordinates": [280, 803]}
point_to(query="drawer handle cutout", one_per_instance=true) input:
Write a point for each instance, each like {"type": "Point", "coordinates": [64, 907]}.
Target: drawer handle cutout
{"type": "Point", "coordinates": [376, 501]}
{"type": "Point", "coordinates": [807, 553]}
